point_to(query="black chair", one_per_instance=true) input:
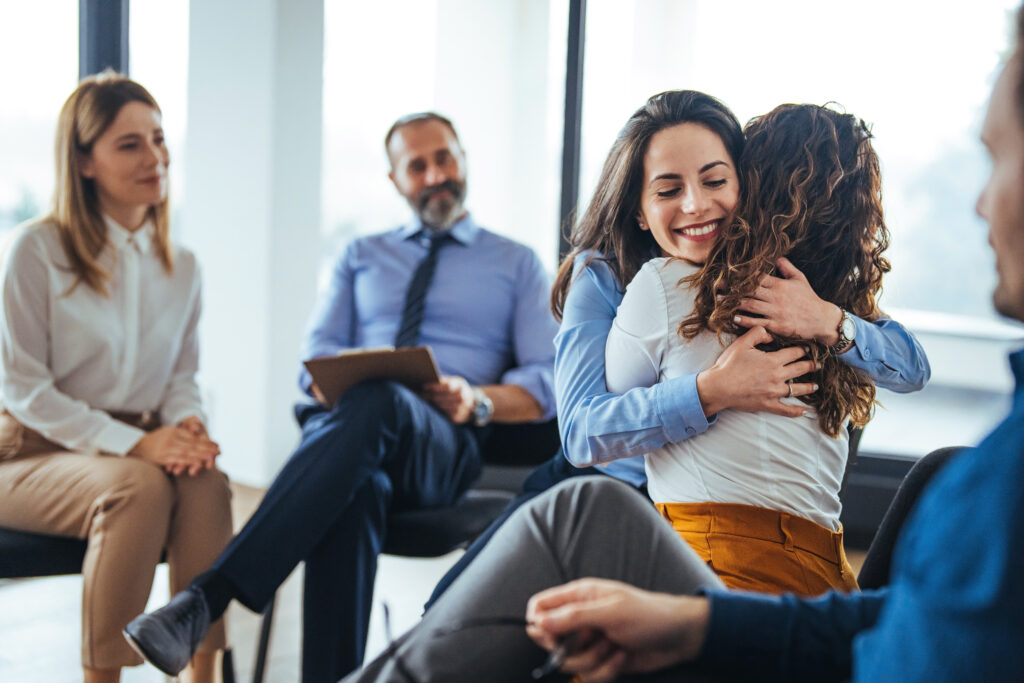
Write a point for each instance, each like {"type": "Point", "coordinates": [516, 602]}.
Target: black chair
{"type": "Point", "coordinates": [510, 452]}
{"type": "Point", "coordinates": [874, 573]}
{"type": "Point", "coordinates": [25, 555]}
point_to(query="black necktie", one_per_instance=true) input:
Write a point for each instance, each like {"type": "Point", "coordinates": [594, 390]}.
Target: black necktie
{"type": "Point", "coordinates": [416, 294]}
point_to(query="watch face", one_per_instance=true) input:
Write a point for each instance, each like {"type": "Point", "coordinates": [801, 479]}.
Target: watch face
{"type": "Point", "coordinates": [849, 329]}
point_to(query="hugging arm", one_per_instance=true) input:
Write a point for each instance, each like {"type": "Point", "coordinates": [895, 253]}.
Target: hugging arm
{"type": "Point", "coordinates": [885, 350]}
{"type": "Point", "coordinates": [599, 426]}
{"type": "Point", "coordinates": [596, 425]}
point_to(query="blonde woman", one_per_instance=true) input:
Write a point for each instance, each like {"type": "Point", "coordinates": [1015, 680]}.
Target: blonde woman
{"type": "Point", "coordinates": [102, 432]}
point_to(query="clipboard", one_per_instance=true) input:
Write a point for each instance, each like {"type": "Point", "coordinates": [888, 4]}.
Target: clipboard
{"type": "Point", "coordinates": [412, 366]}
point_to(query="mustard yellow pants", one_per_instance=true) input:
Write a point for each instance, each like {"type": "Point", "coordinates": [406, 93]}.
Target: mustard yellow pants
{"type": "Point", "coordinates": [755, 549]}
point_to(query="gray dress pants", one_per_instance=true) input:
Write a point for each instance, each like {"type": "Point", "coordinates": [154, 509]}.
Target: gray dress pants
{"type": "Point", "coordinates": [585, 527]}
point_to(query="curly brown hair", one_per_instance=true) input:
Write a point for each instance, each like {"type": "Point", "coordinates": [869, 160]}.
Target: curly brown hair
{"type": "Point", "coordinates": [812, 192]}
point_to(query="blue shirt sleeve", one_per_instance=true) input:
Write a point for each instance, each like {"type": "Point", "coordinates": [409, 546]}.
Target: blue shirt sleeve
{"type": "Point", "coordinates": [953, 611]}
{"type": "Point", "coordinates": [785, 638]}
{"type": "Point", "coordinates": [956, 603]}
{"type": "Point", "coordinates": [597, 426]}
{"type": "Point", "coordinates": [534, 327]}
{"type": "Point", "coordinates": [332, 323]}
{"type": "Point", "coordinates": [889, 354]}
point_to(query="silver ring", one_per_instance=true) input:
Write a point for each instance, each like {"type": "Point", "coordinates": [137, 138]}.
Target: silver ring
{"type": "Point", "coordinates": [790, 389]}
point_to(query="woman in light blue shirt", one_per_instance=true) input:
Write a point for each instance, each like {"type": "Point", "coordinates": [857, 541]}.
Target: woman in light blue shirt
{"type": "Point", "coordinates": [609, 247]}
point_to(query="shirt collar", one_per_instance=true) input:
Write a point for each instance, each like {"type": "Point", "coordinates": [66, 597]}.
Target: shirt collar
{"type": "Point", "coordinates": [464, 231]}
{"type": "Point", "coordinates": [120, 238]}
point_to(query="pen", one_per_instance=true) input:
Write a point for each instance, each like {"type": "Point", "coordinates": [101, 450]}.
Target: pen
{"type": "Point", "coordinates": [556, 658]}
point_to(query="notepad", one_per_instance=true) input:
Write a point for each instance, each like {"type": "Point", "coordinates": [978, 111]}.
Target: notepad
{"type": "Point", "coordinates": [412, 366]}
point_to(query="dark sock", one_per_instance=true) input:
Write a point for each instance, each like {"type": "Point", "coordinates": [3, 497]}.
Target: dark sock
{"type": "Point", "coordinates": [217, 590]}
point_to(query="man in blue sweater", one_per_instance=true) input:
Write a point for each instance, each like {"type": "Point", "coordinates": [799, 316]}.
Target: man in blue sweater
{"type": "Point", "coordinates": [954, 609]}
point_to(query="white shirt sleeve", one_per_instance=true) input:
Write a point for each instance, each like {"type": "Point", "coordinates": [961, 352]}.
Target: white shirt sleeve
{"type": "Point", "coordinates": [26, 383]}
{"type": "Point", "coordinates": [637, 341]}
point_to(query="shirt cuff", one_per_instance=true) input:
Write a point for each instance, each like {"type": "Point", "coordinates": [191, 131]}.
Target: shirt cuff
{"type": "Point", "coordinates": [538, 383]}
{"type": "Point", "coordinates": [678, 405]}
{"type": "Point", "coordinates": [174, 416]}
{"type": "Point", "coordinates": [117, 438]}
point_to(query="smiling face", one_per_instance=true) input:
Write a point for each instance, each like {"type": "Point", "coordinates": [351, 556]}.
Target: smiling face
{"type": "Point", "coordinates": [690, 190]}
{"type": "Point", "coordinates": [428, 168]}
{"type": "Point", "coordinates": [1001, 203]}
{"type": "Point", "coordinates": [128, 164]}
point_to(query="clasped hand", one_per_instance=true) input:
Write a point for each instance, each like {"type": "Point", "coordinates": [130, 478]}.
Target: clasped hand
{"type": "Point", "coordinates": [184, 448]}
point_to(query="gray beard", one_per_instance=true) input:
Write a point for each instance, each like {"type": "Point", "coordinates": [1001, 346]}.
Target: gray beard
{"type": "Point", "coordinates": [443, 213]}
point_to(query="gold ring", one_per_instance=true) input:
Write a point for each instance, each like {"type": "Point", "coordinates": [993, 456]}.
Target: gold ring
{"type": "Point", "coordinates": [790, 389]}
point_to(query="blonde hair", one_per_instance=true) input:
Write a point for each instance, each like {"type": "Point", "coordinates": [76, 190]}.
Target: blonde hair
{"type": "Point", "coordinates": [85, 116]}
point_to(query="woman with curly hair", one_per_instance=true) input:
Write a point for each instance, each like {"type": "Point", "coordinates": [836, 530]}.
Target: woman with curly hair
{"type": "Point", "coordinates": [675, 161]}
{"type": "Point", "coordinates": [758, 496]}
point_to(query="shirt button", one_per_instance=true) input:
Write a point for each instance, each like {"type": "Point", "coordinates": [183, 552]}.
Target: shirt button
{"type": "Point", "coordinates": [866, 354]}
{"type": "Point", "coordinates": [691, 431]}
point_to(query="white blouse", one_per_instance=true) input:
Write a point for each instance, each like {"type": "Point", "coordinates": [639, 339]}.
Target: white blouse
{"type": "Point", "coordinates": [780, 463]}
{"type": "Point", "coordinates": [68, 358]}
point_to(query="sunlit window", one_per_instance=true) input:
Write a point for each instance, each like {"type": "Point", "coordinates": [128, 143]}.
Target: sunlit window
{"type": "Point", "coordinates": [919, 76]}
{"type": "Point", "coordinates": [495, 68]}
{"type": "Point", "coordinates": [158, 59]}
{"type": "Point", "coordinates": [39, 48]}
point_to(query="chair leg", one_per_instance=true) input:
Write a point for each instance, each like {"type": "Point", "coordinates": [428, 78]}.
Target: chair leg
{"type": "Point", "coordinates": [227, 666]}
{"type": "Point", "coordinates": [264, 644]}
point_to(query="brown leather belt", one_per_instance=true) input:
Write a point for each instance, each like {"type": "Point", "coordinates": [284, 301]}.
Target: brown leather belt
{"type": "Point", "coordinates": [147, 420]}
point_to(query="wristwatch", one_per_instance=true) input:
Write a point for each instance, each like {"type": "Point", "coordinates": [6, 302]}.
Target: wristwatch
{"type": "Point", "coordinates": [847, 331]}
{"type": "Point", "coordinates": [483, 409]}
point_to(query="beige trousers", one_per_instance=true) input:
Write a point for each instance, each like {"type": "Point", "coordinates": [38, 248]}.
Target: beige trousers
{"type": "Point", "coordinates": [131, 512]}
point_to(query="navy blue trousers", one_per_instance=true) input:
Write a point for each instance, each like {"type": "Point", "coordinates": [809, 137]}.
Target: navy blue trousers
{"type": "Point", "coordinates": [381, 448]}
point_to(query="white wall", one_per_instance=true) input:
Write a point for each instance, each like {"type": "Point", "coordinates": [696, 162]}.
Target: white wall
{"type": "Point", "coordinates": [252, 213]}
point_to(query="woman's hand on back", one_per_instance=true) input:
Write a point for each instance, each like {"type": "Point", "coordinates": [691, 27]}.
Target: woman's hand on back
{"type": "Point", "coordinates": [178, 448]}
{"type": "Point", "coordinates": [748, 379]}
{"type": "Point", "coordinates": [789, 307]}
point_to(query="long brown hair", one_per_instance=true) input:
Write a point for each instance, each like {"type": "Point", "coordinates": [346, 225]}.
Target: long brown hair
{"type": "Point", "coordinates": [609, 226]}
{"type": "Point", "coordinates": [811, 191]}
{"type": "Point", "coordinates": [85, 116]}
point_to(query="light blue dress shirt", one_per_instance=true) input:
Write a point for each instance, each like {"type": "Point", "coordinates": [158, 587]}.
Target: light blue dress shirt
{"type": "Point", "coordinates": [487, 317]}
{"type": "Point", "coordinates": [601, 428]}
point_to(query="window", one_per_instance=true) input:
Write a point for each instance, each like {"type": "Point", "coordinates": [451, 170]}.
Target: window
{"type": "Point", "coordinates": [158, 59]}
{"type": "Point", "coordinates": [497, 69]}
{"type": "Point", "coordinates": [921, 77]}
{"type": "Point", "coordinates": [43, 34]}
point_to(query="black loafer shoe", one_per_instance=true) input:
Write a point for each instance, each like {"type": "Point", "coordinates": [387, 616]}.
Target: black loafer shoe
{"type": "Point", "coordinates": [168, 637]}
